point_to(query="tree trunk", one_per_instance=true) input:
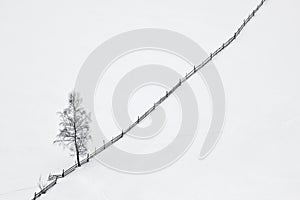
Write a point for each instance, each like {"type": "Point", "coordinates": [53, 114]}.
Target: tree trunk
{"type": "Point", "coordinates": [75, 133]}
{"type": "Point", "coordinates": [77, 152]}
{"type": "Point", "coordinates": [76, 147]}
{"type": "Point", "coordinates": [77, 155]}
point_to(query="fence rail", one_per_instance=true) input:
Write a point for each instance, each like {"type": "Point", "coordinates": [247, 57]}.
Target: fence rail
{"type": "Point", "coordinates": [54, 178]}
{"type": "Point", "coordinates": [45, 189]}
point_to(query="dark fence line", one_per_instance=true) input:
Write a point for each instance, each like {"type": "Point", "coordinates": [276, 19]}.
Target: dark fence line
{"type": "Point", "coordinates": [54, 178]}
{"type": "Point", "coordinates": [45, 189]}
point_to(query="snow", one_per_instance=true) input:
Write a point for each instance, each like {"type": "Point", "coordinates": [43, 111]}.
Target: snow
{"type": "Point", "coordinates": [43, 45]}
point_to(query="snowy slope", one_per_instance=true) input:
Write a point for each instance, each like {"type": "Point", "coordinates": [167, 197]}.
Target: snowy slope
{"type": "Point", "coordinates": [44, 44]}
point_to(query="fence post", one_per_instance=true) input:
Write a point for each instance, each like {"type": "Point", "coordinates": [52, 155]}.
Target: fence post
{"type": "Point", "coordinates": [167, 94]}
{"type": "Point", "coordinates": [179, 81]}
{"type": "Point", "coordinates": [104, 144]}
{"type": "Point", "coordinates": [210, 55]}
{"type": "Point", "coordinates": [88, 158]}
{"type": "Point", "coordinates": [63, 173]}
{"type": "Point", "coordinates": [34, 195]}
{"type": "Point", "coordinates": [122, 133]}
{"type": "Point", "coordinates": [138, 119]}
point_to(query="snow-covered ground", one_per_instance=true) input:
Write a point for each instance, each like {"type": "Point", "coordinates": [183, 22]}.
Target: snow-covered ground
{"type": "Point", "coordinates": [43, 45]}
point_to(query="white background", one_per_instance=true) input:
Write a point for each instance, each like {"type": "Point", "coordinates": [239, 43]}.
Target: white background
{"type": "Point", "coordinates": [43, 45]}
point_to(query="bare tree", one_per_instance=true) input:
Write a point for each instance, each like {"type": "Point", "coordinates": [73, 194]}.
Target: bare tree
{"type": "Point", "coordinates": [74, 127]}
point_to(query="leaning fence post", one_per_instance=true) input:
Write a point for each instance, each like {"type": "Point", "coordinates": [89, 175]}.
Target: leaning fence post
{"type": "Point", "coordinates": [63, 173]}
